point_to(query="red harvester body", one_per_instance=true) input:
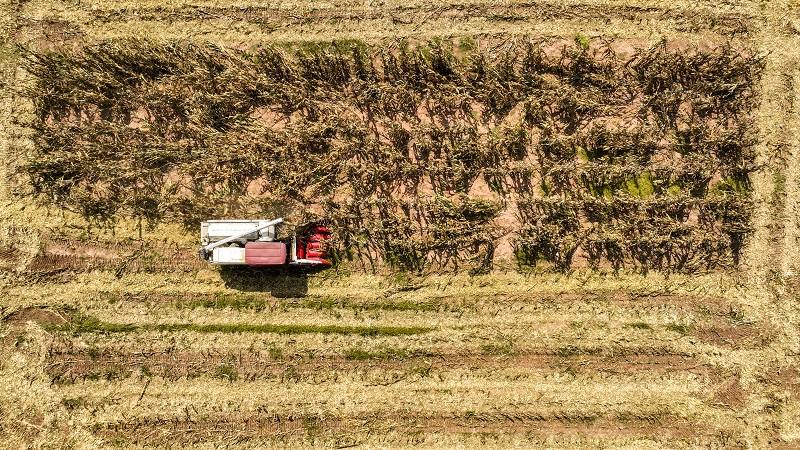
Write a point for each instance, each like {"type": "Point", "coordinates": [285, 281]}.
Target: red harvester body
{"type": "Point", "coordinates": [255, 243]}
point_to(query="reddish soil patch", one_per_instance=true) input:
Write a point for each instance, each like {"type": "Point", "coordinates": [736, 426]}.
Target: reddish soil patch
{"type": "Point", "coordinates": [9, 257]}
{"type": "Point", "coordinates": [737, 336]}
{"type": "Point", "coordinates": [272, 18]}
{"type": "Point", "coordinates": [18, 319]}
{"type": "Point", "coordinates": [61, 248]}
{"type": "Point", "coordinates": [785, 377]}
{"type": "Point", "coordinates": [730, 393]}
{"type": "Point", "coordinates": [41, 315]}
{"type": "Point", "coordinates": [55, 34]}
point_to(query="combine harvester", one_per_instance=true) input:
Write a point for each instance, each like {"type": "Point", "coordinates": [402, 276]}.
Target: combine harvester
{"type": "Point", "coordinates": [255, 243]}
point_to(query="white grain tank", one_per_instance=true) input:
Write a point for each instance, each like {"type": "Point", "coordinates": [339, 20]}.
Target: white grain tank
{"type": "Point", "coordinates": [216, 230]}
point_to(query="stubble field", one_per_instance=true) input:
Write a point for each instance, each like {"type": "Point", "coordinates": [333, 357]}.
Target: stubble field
{"type": "Point", "coordinates": [115, 335]}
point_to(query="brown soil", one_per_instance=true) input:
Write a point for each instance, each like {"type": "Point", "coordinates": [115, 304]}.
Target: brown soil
{"type": "Point", "coordinates": [41, 315]}
{"type": "Point", "coordinates": [9, 257]}
{"type": "Point", "coordinates": [787, 378]}
{"type": "Point", "coordinates": [65, 256]}
{"type": "Point", "coordinates": [730, 393]}
{"type": "Point", "coordinates": [734, 336]}
{"type": "Point", "coordinates": [17, 321]}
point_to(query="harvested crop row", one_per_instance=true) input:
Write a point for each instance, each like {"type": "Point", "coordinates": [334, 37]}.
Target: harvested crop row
{"type": "Point", "coordinates": [81, 365]}
{"type": "Point", "coordinates": [459, 400]}
{"type": "Point", "coordinates": [522, 317]}
{"type": "Point", "coordinates": [253, 21]}
{"type": "Point", "coordinates": [273, 17]}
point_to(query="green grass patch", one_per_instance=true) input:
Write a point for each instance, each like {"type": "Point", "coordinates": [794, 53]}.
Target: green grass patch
{"type": "Point", "coordinates": [503, 346]}
{"type": "Point", "coordinates": [289, 329]}
{"type": "Point", "coordinates": [223, 301]}
{"type": "Point", "coordinates": [255, 302]}
{"type": "Point", "coordinates": [380, 305]}
{"type": "Point", "coordinates": [275, 352]}
{"type": "Point", "coordinates": [639, 326]}
{"type": "Point", "coordinates": [571, 371]}
{"type": "Point", "coordinates": [87, 324]}
{"type": "Point", "coordinates": [226, 372]}
{"type": "Point", "coordinates": [73, 403]}
{"type": "Point", "coordinates": [679, 328]}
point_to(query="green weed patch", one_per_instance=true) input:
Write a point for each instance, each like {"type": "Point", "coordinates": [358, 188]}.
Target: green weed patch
{"type": "Point", "coordinates": [679, 328]}
{"type": "Point", "coordinates": [255, 302]}
{"type": "Point", "coordinates": [639, 326]}
{"type": "Point", "coordinates": [88, 324]}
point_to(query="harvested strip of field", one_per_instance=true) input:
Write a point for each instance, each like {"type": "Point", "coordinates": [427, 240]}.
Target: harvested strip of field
{"type": "Point", "coordinates": [612, 314]}
{"type": "Point", "coordinates": [62, 258]}
{"type": "Point", "coordinates": [583, 365]}
{"type": "Point", "coordinates": [252, 22]}
{"type": "Point", "coordinates": [458, 393]}
{"type": "Point", "coordinates": [441, 301]}
{"type": "Point", "coordinates": [532, 406]}
{"type": "Point", "coordinates": [565, 368]}
{"type": "Point", "coordinates": [273, 18]}
{"type": "Point", "coordinates": [346, 433]}
{"type": "Point", "coordinates": [356, 363]}
{"type": "Point", "coordinates": [594, 343]}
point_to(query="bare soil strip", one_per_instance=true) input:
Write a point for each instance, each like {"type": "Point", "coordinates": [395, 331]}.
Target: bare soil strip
{"type": "Point", "coordinates": [61, 258]}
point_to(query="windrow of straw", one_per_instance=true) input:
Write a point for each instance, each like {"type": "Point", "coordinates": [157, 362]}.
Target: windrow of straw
{"type": "Point", "coordinates": [413, 151]}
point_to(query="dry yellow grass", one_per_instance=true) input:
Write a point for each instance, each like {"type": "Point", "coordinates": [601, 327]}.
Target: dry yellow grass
{"type": "Point", "coordinates": [291, 21]}
{"type": "Point", "coordinates": [566, 358]}
{"type": "Point", "coordinates": [585, 360]}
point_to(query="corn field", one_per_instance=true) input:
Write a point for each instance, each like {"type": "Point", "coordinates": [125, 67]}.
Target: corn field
{"type": "Point", "coordinates": [422, 155]}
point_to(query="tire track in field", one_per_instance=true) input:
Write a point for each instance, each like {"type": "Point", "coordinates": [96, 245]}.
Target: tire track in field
{"type": "Point", "coordinates": [791, 213]}
{"type": "Point", "coordinates": [190, 430]}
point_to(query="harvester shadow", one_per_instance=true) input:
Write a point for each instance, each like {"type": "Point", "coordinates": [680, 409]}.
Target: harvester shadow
{"type": "Point", "coordinates": [279, 282]}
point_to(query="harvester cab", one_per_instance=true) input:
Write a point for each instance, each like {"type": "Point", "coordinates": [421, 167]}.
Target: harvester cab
{"type": "Point", "coordinates": [257, 243]}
